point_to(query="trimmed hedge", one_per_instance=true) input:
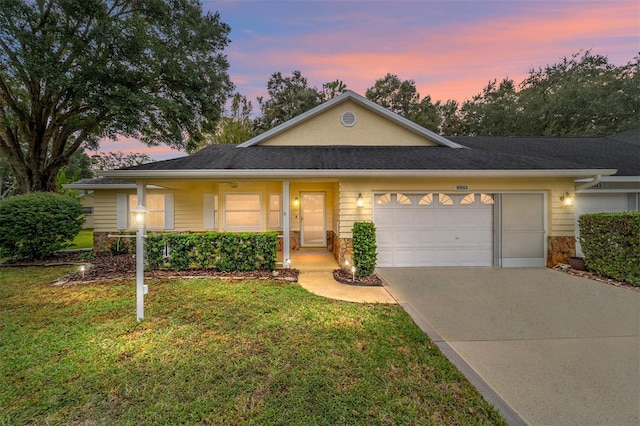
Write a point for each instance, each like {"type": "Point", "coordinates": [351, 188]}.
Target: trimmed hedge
{"type": "Point", "coordinates": [611, 244]}
{"type": "Point", "coordinates": [220, 251]}
{"type": "Point", "coordinates": [36, 225]}
{"type": "Point", "coordinates": [365, 249]}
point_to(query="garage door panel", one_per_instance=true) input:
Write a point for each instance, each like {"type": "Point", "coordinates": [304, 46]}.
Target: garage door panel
{"type": "Point", "coordinates": [435, 234]}
{"type": "Point", "coordinates": [404, 238]}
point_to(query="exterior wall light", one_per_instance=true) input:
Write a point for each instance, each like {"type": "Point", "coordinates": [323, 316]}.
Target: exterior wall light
{"type": "Point", "coordinates": [566, 199]}
{"type": "Point", "coordinates": [360, 201]}
{"type": "Point", "coordinates": [296, 201]}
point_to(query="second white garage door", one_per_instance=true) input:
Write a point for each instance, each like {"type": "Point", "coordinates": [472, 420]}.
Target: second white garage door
{"type": "Point", "coordinates": [434, 229]}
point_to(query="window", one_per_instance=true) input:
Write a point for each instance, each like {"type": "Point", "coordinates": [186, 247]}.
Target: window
{"type": "Point", "coordinates": [155, 210]}
{"type": "Point", "coordinates": [445, 200]}
{"type": "Point", "coordinates": [468, 199]}
{"type": "Point", "coordinates": [383, 199]}
{"type": "Point", "coordinates": [426, 200]}
{"type": "Point", "coordinates": [275, 211]}
{"type": "Point", "coordinates": [242, 211]}
{"type": "Point", "coordinates": [402, 199]}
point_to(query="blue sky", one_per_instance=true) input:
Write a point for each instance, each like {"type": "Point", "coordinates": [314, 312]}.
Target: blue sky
{"type": "Point", "coordinates": [451, 49]}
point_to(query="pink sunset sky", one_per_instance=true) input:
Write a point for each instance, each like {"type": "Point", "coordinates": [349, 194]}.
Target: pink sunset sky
{"type": "Point", "coordinates": [450, 48]}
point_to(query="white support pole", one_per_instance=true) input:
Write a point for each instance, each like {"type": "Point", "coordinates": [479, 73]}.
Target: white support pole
{"type": "Point", "coordinates": [286, 224]}
{"type": "Point", "coordinates": [140, 232]}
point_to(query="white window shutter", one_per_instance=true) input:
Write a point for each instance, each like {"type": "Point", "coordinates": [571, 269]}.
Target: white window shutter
{"type": "Point", "coordinates": [168, 211]}
{"type": "Point", "coordinates": [122, 211]}
{"type": "Point", "coordinates": [209, 221]}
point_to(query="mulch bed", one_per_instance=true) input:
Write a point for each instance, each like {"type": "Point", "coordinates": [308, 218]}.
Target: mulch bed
{"type": "Point", "coordinates": [346, 277]}
{"type": "Point", "coordinates": [107, 267]}
{"type": "Point", "coordinates": [595, 277]}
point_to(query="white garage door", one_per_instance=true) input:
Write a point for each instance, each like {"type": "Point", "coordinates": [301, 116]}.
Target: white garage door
{"type": "Point", "coordinates": [434, 229]}
{"type": "Point", "coordinates": [597, 203]}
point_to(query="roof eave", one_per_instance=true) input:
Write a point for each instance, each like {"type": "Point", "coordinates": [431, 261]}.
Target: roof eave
{"type": "Point", "coordinates": [324, 173]}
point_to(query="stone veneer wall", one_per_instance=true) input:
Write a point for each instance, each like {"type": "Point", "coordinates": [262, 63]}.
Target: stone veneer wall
{"type": "Point", "coordinates": [559, 249]}
{"type": "Point", "coordinates": [342, 250]}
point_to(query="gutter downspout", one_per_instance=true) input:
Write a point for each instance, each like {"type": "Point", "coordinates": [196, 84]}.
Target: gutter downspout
{"type": "Point", "coordinates": [594, 182]}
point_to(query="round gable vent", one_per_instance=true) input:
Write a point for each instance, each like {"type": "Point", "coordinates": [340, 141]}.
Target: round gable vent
{"type": "Point", "coordinates": [348, 118]}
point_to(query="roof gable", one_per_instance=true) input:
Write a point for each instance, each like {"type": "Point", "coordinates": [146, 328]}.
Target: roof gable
{"type": "Point", "coordinates": [374, 126]}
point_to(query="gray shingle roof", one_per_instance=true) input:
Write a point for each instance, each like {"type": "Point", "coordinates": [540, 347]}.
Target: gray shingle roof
{"type": "Point", "coordinates": [621, 151]}
{"type": "Point", "coordinates": [232, 157]}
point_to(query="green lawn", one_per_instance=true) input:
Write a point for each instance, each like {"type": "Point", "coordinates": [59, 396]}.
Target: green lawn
{"type": "Point", "coordinates": [217, 352]}
{"type": "Point", "coordinates": [84, 239]}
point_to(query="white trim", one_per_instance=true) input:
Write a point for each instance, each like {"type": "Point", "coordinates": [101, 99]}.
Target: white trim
{"type": "Point", "coordinates": [609, 191]}
{"type": "Point", "coordinates": [209, 221]}
{"type": "Point", "coordinates": [613, 179]}
{"type": "Point", "coordinates": [302, 173]}
{"type": "Point", "coordinates": [362, 101]}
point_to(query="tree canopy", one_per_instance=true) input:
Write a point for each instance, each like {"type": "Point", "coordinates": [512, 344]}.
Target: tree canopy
{"type": "Point", "coordinates": [73, 72]}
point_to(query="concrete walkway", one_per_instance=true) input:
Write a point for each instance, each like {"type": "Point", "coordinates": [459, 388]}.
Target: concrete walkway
{"type": "Point", "coordinates": [544, 347]}
{"type": "Point", "coordinates": [316, 275]}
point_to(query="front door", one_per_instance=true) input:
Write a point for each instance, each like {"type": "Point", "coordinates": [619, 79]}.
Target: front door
{"type": "Point", "coordinates": [312, 220]}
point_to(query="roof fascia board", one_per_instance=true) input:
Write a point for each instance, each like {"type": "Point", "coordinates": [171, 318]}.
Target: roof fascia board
{"type": "Point", "coordinates": [107, 186]}
{"type": "Point", "coordinates": [366, 103]}
{"type": "Point", "coordinates": [632, 179]}
{"type": "Point", "coordinates": [297, 173]}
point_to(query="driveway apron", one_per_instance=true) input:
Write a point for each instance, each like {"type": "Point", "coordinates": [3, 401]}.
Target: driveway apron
{"type": "Point", "coordinates": [545, 347]}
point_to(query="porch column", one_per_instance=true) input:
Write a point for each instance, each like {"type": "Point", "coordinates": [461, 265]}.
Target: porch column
{"type": "Point", "coordinates": [286, 224]}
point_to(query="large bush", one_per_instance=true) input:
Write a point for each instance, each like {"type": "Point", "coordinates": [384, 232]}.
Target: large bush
{"type": "Point", "coordinates": [220, 251]}
{"type": "Point", "coordinates": [611, 244]}
{"type": "Point", "coordinates": [34, 226]}
{"type": "Point", "coordinates": [365, 249]}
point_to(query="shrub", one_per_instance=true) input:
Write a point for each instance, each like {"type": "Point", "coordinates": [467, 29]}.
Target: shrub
{"type": "Point", "coordinates": [365, 250]}
{"type": "Point", "coordinates": [611, 244]}
{"type": "Point", "coordinates": [220, 251]}
{"type": "Point", "coordinates": [34, 226]}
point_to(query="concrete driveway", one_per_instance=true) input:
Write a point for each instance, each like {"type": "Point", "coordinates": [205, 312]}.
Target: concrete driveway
{"type": "Point", "coordinates": [545, 347]}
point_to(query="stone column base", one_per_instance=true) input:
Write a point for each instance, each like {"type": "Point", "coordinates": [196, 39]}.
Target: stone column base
{"type": "Point", "coordinates": [559, 249]}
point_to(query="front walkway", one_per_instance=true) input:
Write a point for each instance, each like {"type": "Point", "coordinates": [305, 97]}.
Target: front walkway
{"type": "Point", "coordinates": [316, 275]}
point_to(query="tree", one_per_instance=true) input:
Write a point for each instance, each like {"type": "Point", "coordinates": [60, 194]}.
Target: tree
{"type": "Point", "coordinates": [494, 112]}
{"type": "Point", "coordinates": [583, 95]}
{"type": "Point", "coordinates": [73, 72]}
{"type": "Point", "coordinates": [402, 97]}
{"type": "Point", "coordinates": [234, 128]}
{"type": "Point", "coordinates": [289, 97]}
{"type": "Point", "coordinates": [332, 89]}
{"type": "Point", "coordinates": [117, 159]}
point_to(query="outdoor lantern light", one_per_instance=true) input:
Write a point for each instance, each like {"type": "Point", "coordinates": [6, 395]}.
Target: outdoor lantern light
{"type": "Point", "coordinates": [296, 201]}
{"type": "Point", "coordinates": [139, 213]}
{"type": "Point", "coordinates": [360, 201]}
{"type": "Point", "coordinates": [566, 199]}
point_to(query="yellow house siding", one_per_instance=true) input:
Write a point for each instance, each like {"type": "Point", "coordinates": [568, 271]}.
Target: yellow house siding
{"type": "Point", "coordinates": [104, 211]}
{"type": "Point", "coordinates": [559, 217]}
{"type": "Point", "coordinates": [327, 129]}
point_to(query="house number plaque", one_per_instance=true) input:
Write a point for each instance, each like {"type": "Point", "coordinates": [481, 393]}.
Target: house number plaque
{"type": "Point", "coordinates": [462, 187]}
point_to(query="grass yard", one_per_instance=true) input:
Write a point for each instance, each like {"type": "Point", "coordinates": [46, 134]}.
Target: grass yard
{"type": "Point", "coordinates": [84, 239]}
{"type": "Point", "coordinates": [217, 352]}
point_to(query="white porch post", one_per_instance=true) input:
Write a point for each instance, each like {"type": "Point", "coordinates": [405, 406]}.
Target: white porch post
{"type": "Point", "coordinates": [141, 191]}
{"type": "Point", "coordinates": [286, 225]}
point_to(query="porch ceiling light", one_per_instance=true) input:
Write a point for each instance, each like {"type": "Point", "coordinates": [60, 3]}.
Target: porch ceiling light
{"type": "Point", "coordinates": [566, 199]}
{"type": "Point", "coordinates": [360, 201]}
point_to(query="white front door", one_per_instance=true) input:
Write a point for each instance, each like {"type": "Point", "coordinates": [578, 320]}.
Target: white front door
{"type": "Point", "coordinates": [312, 220]}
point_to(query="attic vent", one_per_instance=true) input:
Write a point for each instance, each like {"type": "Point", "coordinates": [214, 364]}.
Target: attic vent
{"type": "Point", "coordinates": [348, 118]}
